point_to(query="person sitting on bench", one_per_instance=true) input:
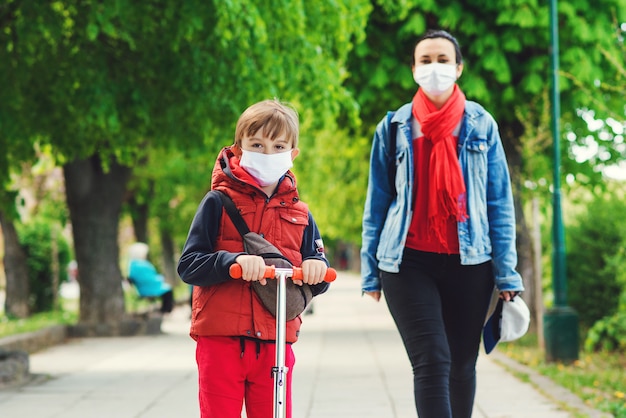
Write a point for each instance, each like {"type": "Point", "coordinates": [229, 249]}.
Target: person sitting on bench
{"type": "Point", "coordinates": [144, 276]}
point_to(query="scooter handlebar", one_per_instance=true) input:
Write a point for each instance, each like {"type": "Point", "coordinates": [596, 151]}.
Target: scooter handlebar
{"type": "Point", "coordinates": [294, 273]}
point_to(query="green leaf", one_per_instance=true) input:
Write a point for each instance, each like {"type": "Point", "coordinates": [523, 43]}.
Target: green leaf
{"type": "Point", "coordinates": [92, 31]}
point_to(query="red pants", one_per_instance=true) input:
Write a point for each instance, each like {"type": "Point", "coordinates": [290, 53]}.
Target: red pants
{"type": "Point", "coordinates": [231, 370]}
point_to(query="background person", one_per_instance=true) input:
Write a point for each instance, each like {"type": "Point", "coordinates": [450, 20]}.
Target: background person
{"type": "Point", "coordinates": [144, 276]}
{"type": "Point", "coordinates": [437, 238]}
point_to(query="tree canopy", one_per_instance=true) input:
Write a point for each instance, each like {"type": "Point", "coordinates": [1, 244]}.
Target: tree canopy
{"type": "Point", "coordinates": [506, 51]}
{"type": "Point", "coordinates": [104, 82]}
{"type": "Point", "coordinates": [146, 92]}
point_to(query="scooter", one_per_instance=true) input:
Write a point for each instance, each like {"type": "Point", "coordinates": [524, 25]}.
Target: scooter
{"type": "Point", "coordinates": [279, 371]}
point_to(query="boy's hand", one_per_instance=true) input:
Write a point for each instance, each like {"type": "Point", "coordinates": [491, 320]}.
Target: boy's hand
{"type": "Point", "coordinates": [252, 268]}
{"type": "Point", "coordinates": [313, 272]}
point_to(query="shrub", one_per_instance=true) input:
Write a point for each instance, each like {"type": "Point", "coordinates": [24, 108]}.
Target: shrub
{"type": "Point", "coordinates": [593, 285]}
{"type": "Point", "coordinates": [36, 238]}
{"type": "Point", "coordinates": [608, 334]}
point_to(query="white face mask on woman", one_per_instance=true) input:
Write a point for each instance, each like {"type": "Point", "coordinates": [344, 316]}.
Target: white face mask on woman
{"type": "Point", "coordinates": [266, 169]}
{"type": "Point", "coordinates": [435, 78]}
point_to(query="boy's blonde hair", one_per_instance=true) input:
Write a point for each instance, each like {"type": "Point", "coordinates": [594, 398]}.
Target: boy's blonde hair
{"type": "Point", "coordinates": [274, 117]}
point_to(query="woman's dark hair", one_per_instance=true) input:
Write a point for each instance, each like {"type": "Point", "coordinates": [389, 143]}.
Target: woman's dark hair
{"type": "Point", "coordinates": [433, 34]}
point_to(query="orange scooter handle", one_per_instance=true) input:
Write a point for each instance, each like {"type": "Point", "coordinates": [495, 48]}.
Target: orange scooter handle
{"type": "Point", "coordinates": [294, 273]}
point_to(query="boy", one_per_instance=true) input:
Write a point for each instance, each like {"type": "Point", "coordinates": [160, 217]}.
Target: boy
{"type": "Point", "coordinates": [235, 334]}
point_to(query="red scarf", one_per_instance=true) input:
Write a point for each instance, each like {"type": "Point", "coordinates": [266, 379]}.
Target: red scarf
{"type": "Point", "coordinates": [446, 194]}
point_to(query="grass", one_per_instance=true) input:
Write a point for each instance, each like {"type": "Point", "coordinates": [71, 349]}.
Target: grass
{"type": "Point", "coordinates": [68, 312]}
{"type": "Point", "coordinates": [9, 326]}
{"type": "Point", "coordinates": [597, 378]}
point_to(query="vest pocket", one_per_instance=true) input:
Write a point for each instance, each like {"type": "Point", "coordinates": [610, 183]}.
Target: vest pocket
{"type": "Point", "coordinates": [291, 228]}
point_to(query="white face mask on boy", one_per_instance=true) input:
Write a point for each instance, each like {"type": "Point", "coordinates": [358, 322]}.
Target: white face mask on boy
{"type": "Point", "coordinates": [266, 169]}
{"type": "Point", "coordinates": [435, 78]}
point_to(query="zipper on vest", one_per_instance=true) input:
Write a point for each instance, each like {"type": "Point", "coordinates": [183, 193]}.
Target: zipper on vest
{"type": "Point", "coordinates": [266, 201]}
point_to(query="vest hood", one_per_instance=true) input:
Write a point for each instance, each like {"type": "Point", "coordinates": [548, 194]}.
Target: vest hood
{"type": "Point", "coordinates": [228, 174]}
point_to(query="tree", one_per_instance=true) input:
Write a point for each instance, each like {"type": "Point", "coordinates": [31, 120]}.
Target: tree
{"type": "Point", "coordinates": [594, 240]}
{"type": "Point", "coordinates": [17, 289]}
{"type": "Point", "coordinates": [163, 198]}
{"type": "Point", "coordinates": [103, 82]}
{"type": "Point", "coordinates": [33, 213]}
{"type": "Point", "coordinates": [506, 53]}
{"type": "Point", "coordinates": [332, 176]}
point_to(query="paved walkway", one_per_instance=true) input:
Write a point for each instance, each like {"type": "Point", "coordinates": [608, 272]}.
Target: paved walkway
{"type": "Point", "coordinates": [350, 363]}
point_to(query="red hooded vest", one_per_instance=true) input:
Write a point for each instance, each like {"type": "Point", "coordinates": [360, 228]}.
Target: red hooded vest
{"type": "Point", "coordinates": [232, 308]}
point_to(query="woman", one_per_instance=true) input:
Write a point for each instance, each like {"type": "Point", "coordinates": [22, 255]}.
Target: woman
{"type": "Point", "coordinates": [439, 227]}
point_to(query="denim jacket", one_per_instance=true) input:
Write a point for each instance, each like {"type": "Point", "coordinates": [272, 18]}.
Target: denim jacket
{"type": "Point", "coordinates": [488, 233]}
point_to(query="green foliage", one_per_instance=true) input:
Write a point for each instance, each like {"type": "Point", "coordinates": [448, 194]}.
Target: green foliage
{"type": "Point", "coordinates": [121, 77]}
{"type": "Point", "coordinates": [159, 85]}
{"type": "Point", "coordinates": [36, 322]}
{"type": "Point", "coordinates": [153, 81]}
{"type": "Point", "coordinates": [331, 173]}
{"type": "Point", "coordinates": [595, 239]}
{"type": "Point", "coordinates": [37, 239]}
{"type": "Point", "coordinates": [608, 334]}
{"type": "Point", "coordinates": [597, 378]}
{"type": "Point", "coordinates": [506, 51]}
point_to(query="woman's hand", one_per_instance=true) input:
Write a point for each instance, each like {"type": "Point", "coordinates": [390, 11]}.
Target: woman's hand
{"type": "Point", "coordinates": [376, 295]}
{"type": "Point", "coordinates": [508, 295]}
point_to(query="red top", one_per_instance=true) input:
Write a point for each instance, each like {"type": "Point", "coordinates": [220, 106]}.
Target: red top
{"type": "Point", "coordinates": [418, 237]}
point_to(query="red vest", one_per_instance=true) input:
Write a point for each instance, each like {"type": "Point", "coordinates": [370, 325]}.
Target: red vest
{"type": "Point", "coordinates": [232, 308]}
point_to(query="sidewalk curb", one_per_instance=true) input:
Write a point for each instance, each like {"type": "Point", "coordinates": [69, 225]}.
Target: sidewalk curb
{"type": "Point", "coordinates": [34, 341]}
{"type": "Point", "coordinates": [562, 396]}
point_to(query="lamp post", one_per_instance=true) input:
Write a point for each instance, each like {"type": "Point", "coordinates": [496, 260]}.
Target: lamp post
{"type": "Point", "coordinates": [560, 322]}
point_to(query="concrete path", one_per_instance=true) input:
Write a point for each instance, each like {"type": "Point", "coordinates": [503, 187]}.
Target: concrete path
{"type": "Point", "coordinates": [350, 363]}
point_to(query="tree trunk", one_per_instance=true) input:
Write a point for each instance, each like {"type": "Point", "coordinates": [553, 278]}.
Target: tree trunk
{"type": "Point", "coordinates": [16, 271]}
{"type": "Point", "coordinates": [139, 215]}
{"type": "Point", "coordinates": [94, 199]}
{"type": "Point", "coordinates": [526, 260]}
{"type": "Point", "coordinates": [169, 255]}
{"type": "Point", "coordinates": [511, 134]}
{"type": "Point", "coordinates": [138, 203]}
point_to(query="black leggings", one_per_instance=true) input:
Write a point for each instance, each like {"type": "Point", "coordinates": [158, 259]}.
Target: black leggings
{"type": "Point", "coordinates": [439, 307]}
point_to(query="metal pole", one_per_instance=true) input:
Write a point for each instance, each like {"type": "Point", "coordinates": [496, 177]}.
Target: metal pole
{"type": "Point", "coordinates": [561, 322]}
{"type": "Point", "coordinates": [538, 274]}
{"type": "Point", "coordinates": [280, 370]}
{"type": "Point", "coordinates": [559, 281]}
